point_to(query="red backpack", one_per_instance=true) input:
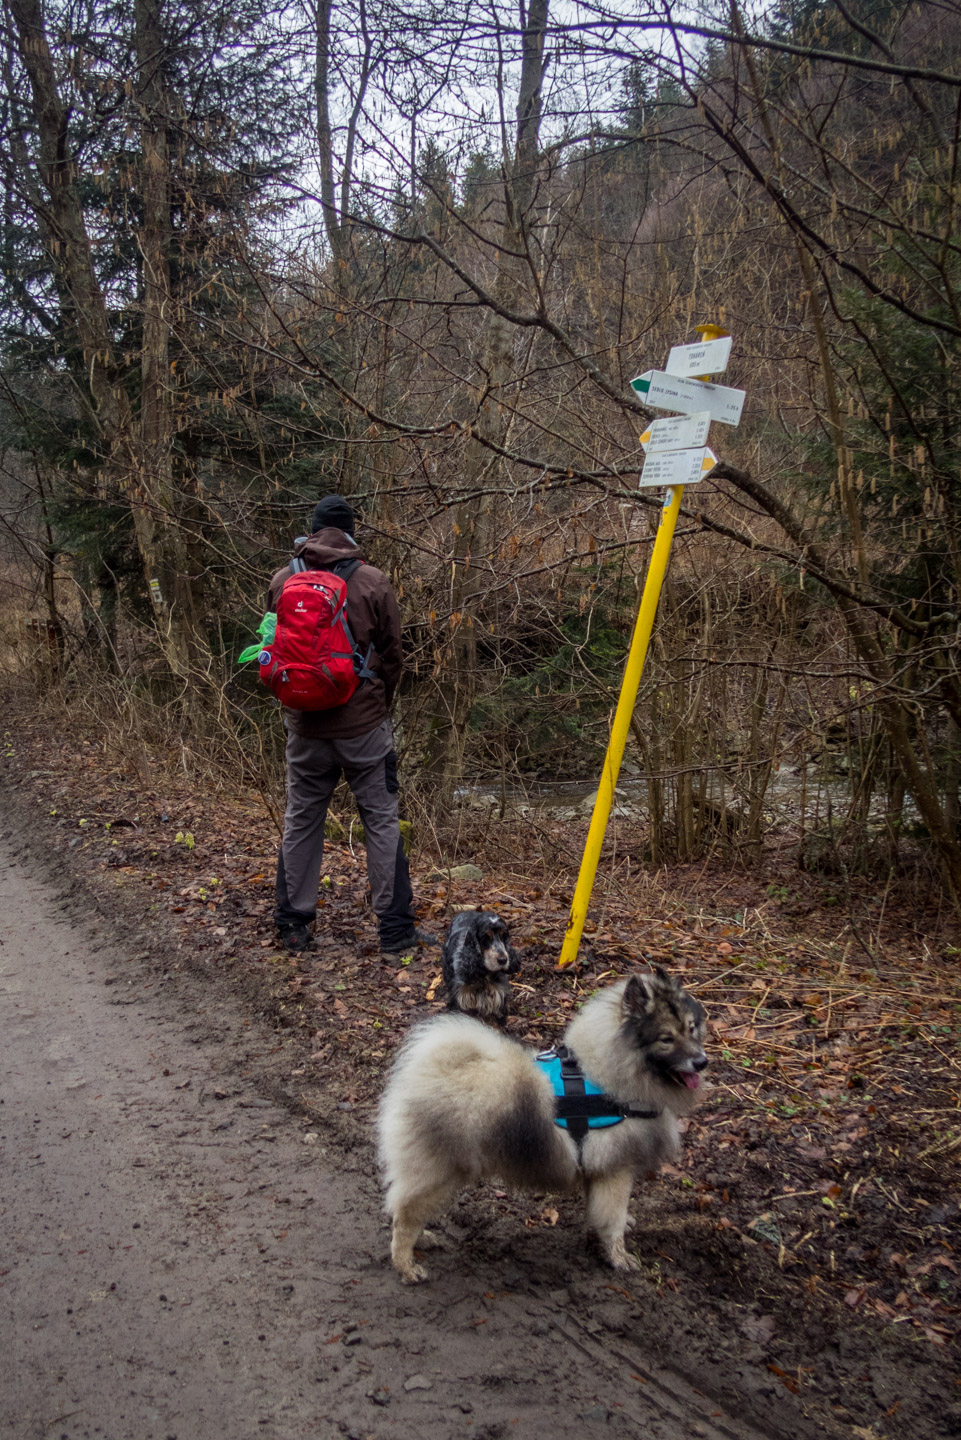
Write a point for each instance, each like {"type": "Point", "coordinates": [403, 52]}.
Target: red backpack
{"type": "Point", "coordinates": [313, 662]}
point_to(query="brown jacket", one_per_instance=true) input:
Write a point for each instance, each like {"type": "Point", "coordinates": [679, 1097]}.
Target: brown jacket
{"type": "Point", "coordinates": [374, 619]}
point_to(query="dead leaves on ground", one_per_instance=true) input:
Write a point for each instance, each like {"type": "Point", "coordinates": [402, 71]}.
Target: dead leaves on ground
{"type": "Point", "coordinates": [832, 1136]}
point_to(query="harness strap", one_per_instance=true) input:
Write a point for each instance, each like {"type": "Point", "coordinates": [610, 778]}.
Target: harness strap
{"type": "Point", "coordinates": [576, 1107]}
{"type": "Point", "coordinates": [602, 1107]}
{"type": "Point", "coordinates": [572, 1078]}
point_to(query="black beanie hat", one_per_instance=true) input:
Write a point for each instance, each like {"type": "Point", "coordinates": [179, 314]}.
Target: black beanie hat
{"type": "Point", "coordinates": [333, 511]}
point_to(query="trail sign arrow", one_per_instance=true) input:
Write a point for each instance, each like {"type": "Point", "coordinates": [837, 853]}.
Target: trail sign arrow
{"type": "Point", "coordinates": [709, 357]}
{"type": "Point", "coordinates": [669, 392]}
{"type": "Point", "coordinates": [677, 467]}
{"type": "Point", "coordinates": [677, 432]}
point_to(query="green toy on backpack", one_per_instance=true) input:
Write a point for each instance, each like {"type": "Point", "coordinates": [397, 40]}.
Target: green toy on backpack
{"type": "Point", "coordinates": [267, 629]}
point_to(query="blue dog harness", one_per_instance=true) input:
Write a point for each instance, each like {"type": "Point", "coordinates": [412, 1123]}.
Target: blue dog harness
{"type": "Point", "coordinates": [579, 1105]}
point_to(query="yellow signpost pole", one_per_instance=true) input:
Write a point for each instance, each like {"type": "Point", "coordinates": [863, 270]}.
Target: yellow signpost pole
{"type": "Point", "coordinates": [633, 670]}
{"type": "Point", "coordinates": [630, 685]}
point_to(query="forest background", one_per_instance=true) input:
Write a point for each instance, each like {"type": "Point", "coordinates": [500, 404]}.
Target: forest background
{"type": "Point", "coordinates": [415, 255]}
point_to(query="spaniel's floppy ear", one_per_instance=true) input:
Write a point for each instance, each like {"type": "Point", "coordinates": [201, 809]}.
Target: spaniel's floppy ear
{"type": "Point", "coordinates": [471, 951]}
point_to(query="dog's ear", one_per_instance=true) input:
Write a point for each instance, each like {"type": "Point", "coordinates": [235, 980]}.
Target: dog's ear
{"type": "Point", "coordinates": [669, 986]}
{"type": "Point", "coordinates": [471, 951]}
{"type": "Point", "coordinates": [639, 995]}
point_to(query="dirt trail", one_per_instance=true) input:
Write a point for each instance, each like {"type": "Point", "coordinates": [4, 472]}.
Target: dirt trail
{"type": "Point", "coordinates": [180, 1259]}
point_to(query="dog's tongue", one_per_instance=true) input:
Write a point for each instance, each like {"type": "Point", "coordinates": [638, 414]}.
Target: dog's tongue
{"type": "Point", "coordinates": [690, 1078]}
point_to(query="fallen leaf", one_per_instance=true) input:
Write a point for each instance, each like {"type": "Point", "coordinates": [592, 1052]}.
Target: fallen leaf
{"type": "Point", "coordinates": [765, 1227]}
{"type": "Point", "coordinates": [785, 1378]}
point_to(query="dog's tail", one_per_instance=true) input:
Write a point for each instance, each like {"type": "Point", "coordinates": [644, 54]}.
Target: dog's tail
{"type": "Point", "coordinates": [465, 1100]}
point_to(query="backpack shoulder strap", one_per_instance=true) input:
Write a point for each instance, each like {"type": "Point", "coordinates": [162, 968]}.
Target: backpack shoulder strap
{"type": "Point", "coordinates": [345, 568]}
{"type": "Point", "coordinates": [342, 568]}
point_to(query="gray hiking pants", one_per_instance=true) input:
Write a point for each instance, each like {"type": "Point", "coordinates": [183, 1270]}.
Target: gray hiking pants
{"type": "Point", "coordinates": [313, 770]}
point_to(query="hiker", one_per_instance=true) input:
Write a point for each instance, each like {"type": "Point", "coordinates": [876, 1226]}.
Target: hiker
{"type": "Point", "coordinates": [354, 737]}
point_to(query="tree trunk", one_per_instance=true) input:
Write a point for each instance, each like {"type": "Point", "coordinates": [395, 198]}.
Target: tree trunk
{"type": "Point", "coordinates": [54, 622]}
{"type": "Point", "coordinates": [894, 705]}
{"type": "Point", "coordinates": [919, 780]}
{"type": "Point", "coordinates": [162, 547]}
{"type": "Point", "coordinates": [59, 210]}
{"type": "Point", "coordinates": [478, 520]}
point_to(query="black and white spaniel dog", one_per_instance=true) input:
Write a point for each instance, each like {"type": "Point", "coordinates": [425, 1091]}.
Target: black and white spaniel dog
{"type": "Point", "coordinates": [478, 960]}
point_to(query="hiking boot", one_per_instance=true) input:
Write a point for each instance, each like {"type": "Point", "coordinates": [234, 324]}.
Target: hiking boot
{"type": "Point", "coordinates": [295, 937]}
{"type": "Point", "coordinates": [408, 944]}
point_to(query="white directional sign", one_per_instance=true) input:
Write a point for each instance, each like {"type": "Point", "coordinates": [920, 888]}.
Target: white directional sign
{"type": "Point", "coordinates": [710, 357]}
{"type": "Point", "coordinates": [677, 467]}
{"type": "Point", "coordinates": [676, 432]}
{"type": "Point", "coordinates": [669, 392]}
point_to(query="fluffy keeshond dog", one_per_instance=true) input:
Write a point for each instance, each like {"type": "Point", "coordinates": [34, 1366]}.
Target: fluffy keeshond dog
{"type": "Point", "coordinates": [465, 1104]}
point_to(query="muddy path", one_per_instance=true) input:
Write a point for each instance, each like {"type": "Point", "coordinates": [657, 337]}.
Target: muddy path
{"type": "Point", "coordinates": [181, 1258]}
{"type": "Point", "coordinates": [189, 1250]}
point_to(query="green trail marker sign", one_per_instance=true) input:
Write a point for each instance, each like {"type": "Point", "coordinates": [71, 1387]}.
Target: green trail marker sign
{"type": "Point", "coordinates": [690, 397]}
